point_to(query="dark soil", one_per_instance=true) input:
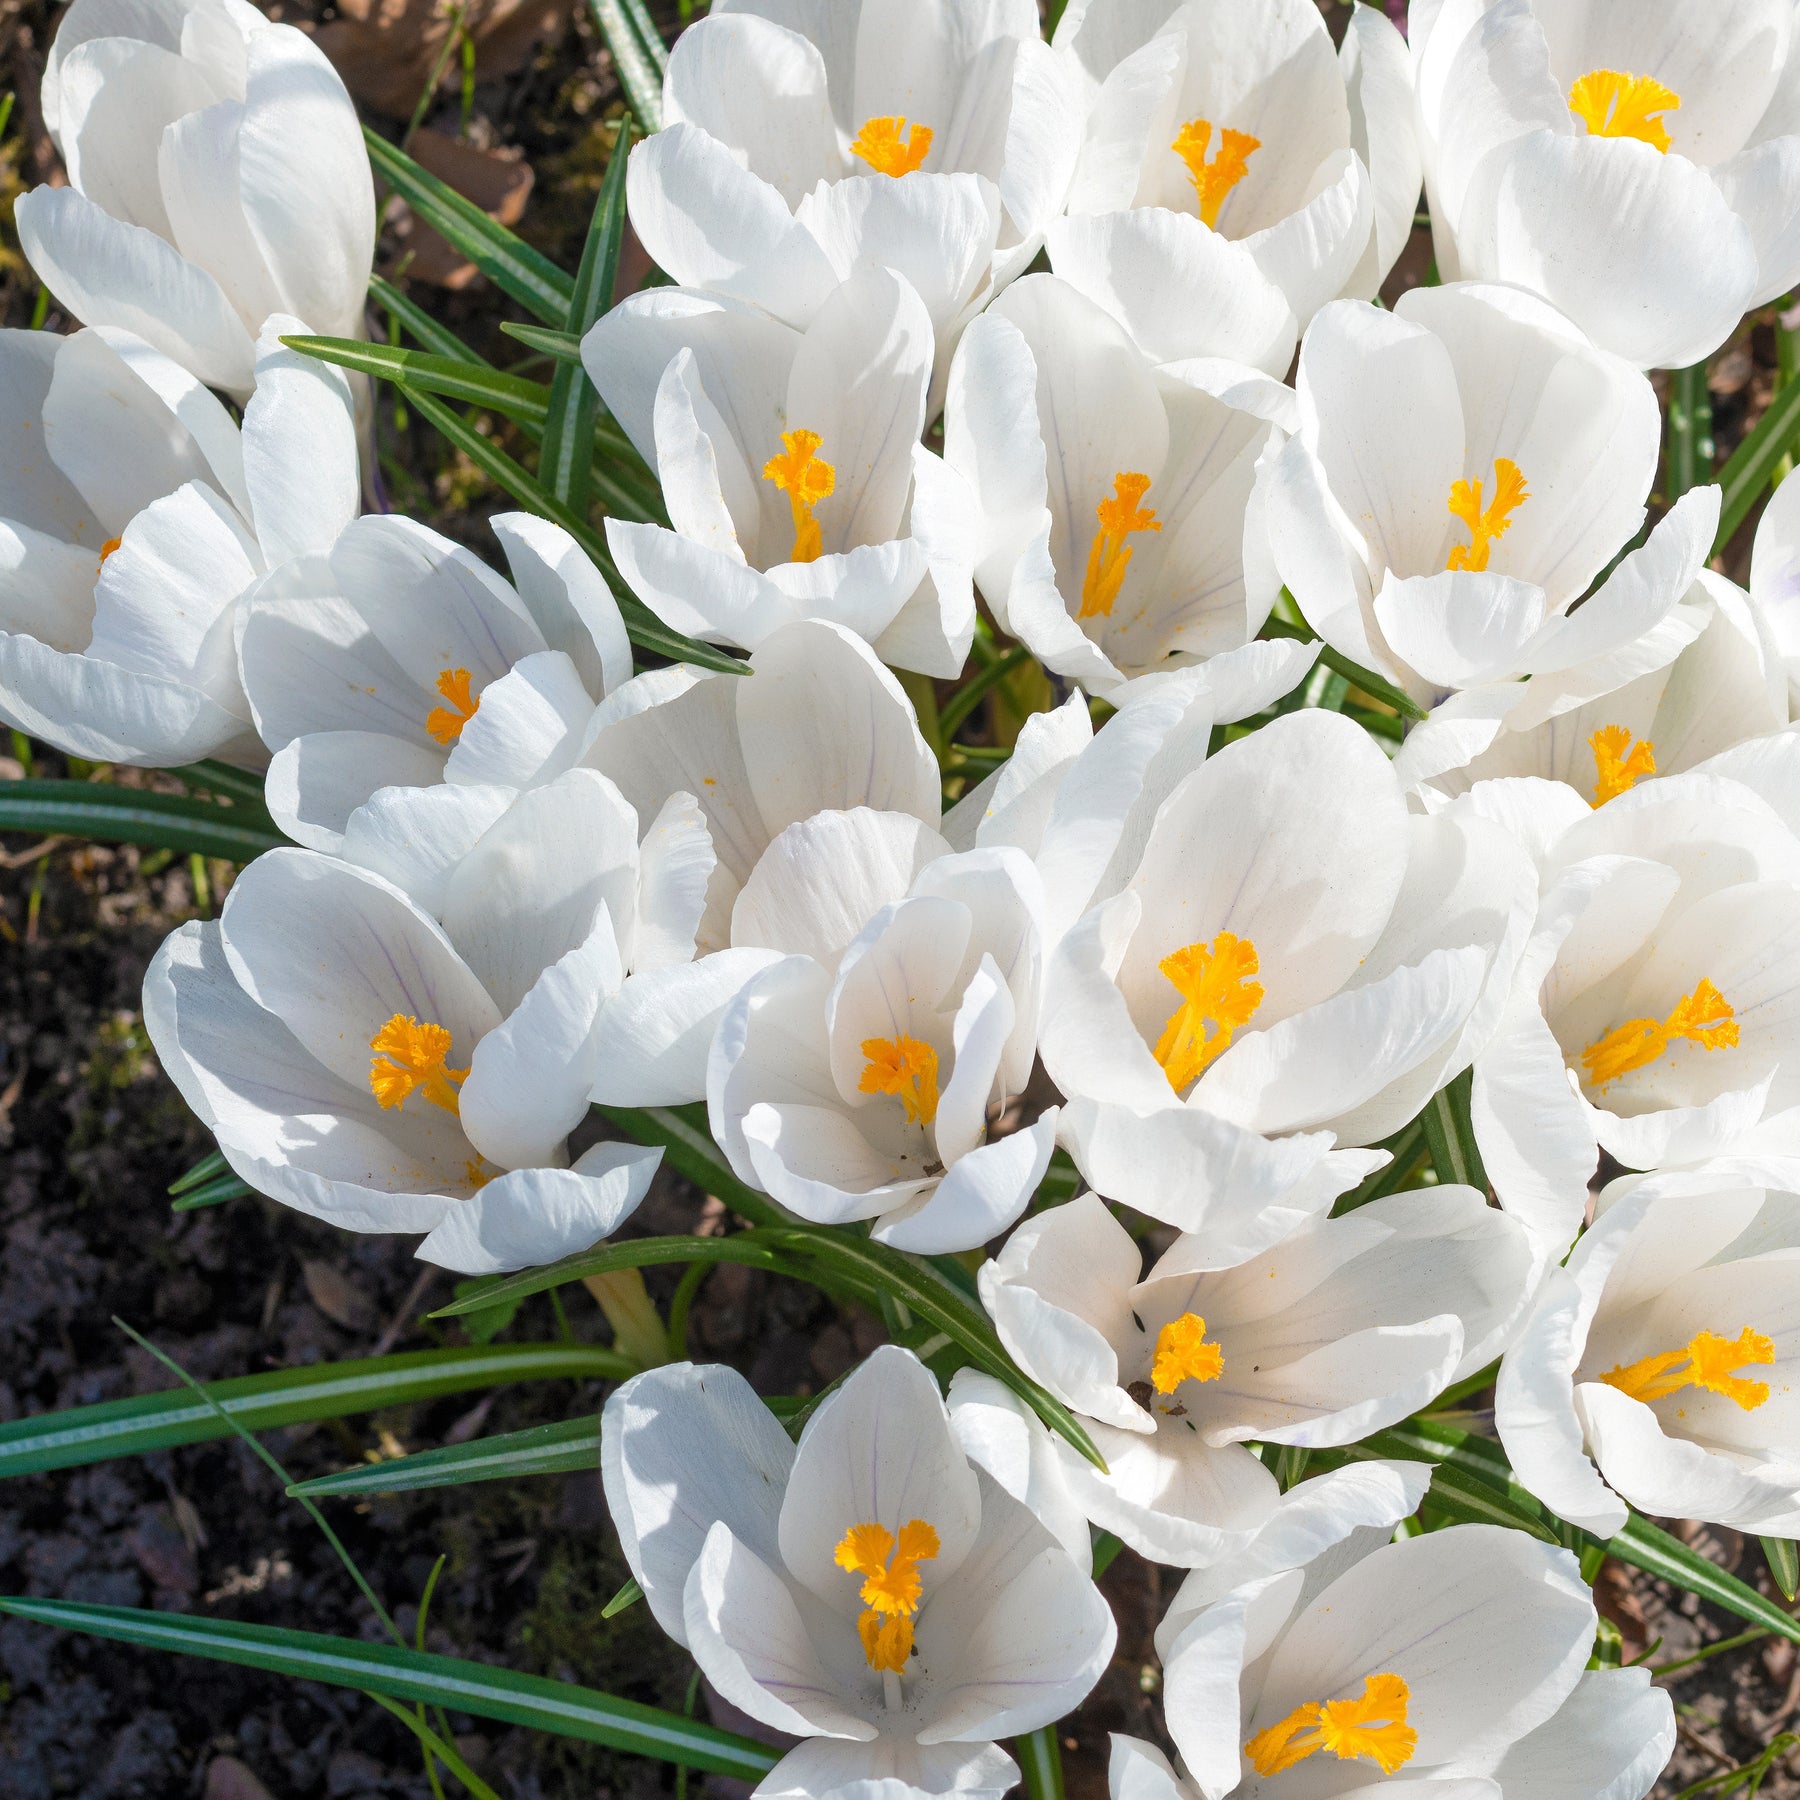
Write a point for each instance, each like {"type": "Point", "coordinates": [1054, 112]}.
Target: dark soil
{"type": "Point", "coordinates": [91, 1135]}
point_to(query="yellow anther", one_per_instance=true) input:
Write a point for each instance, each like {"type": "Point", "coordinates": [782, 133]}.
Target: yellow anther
{"type": "Point", "coordinates": [1704, 1361]}
{"type": "Point", "coordinates": [1620, 763]}
{"type": "Point", "coordinates": [799, 474]}
{"type": "Point", "coordinates": [445, 723]}
{"type": "Point", "coordinates": [1484, 527]}
{"type": "Point", "coordinates": [906, 1068]}
{"type": "Point", "coordinates": [1214, 180]}
{"type": "Point", "coordinates": [1109, 556]}
{"type": "Point", "coordinates": [1704, 1018]}
{"type": "Point", "coordinates": [411, 1056]}
{"type": "Point", "coordinates": [108, 548]}
{"type": "Point", "coordinates": [1613, 104]}
{"type": "Point", "coordinates": [1184, 1354]}
{"type": "Point", "coordinates": [883, 147]}
{"type": "Point", "coordinates": [1215, 987]}
{"type": "Point", "coordinates": [891, 1589]}
{"type": "Point", "coordinates": [1372, 1725]}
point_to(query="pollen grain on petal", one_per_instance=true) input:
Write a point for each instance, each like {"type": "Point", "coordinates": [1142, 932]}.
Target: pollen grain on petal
{"type": "Point", "coordinates": [1704, 1361]}
{"type": "Point", "coordinates": [1510, 493]}
{"type": "Point", "coordinates": [1372, 1725]}
{"type": "Point", "coordinates": [445, 723]}
{"type": "Point", "coordinates": [1121, 516]}
{"type": "Point", "coordinates": [905, 1068]}
{"type": "Point", "coordinates": [411, 1057]}
{"type": "Point", "coordinates": [1704, 1017]}
{"type": "Point", "coordinates": [1217, 992]}
{"type": "Point", "coordinates": [1214, 180]}
{"type": "Point", "coordinates": [1611, 103]}
{"type": "Point", "coordinates": [1184, 1353]}
{"type": "Point", "coordinates": [885, 145]}
{"type": "Point", "coordinates": [1619, 764]}
{"type": "Point", "coordinates": [800, 473]}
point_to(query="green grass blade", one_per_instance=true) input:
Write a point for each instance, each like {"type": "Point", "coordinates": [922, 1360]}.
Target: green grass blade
{"type": "Point", "coordinates": [1472, 1492]}
{"type": "Point", "coordinates": [644, 628]}
{"type": "Point", "coordinates": [221, 778]}
{"type": "Point", "coordinates": [568, 454]}
{"type": "Point", "coordinates": [88, 1434]}
{"type": "Point", "coordinates": [546, 342]}
{"type": "Point", "coordinates": [564, 1448]}
{"type": "Point", "coordinates": [425, 330]}
{"type": "Point", "coordinates": [419, 1677]}
{"type": "Point", "coordinates": [526, 275]}
{"type": "Point", "coordinates": [212, 1193]}
{"type": "Point", "coordinates": [1371, 684]}
{"type": "Point", "coordinates": [639, 73]}
{"type": "Point", "coordinates": [648, 35]}
{"type": "Point", "coordinates": [1784, 1564]}
{"type": "Point", "coordinates": [1451, 1134]}
{"type": "Point", "coordinates": [688, 1147]}
{"type": "Point", "coordinates": [1751, 467]}
{"type": "Point", "coordinates": [526, 401]}
{"type": "Point", "coordinates": [116, 815]}
{"type": "Point", "coordinates": [209, 1168]}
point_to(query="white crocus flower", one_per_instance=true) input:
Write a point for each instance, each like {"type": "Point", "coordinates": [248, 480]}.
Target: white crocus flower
{"type": "Point", "coordinates": [355, 1065]}
{"type": "Point", "coordinates": [863, 1084]}
{"type": "Point", "coordinates": [791, 466]}
{"type": "Point", "coordinates": [1661, 1367]}
{"type": "Point", "coordinates": [1287, 959]}
{"type": "Point", "coordinates": [1637, 166]}
{"type": "Point", "coordinates": [395, 658]}
{"type": "Point", "coordinates": [1113, 496]}
{"type": "Point", "coordinates": [1656, 1010]}
{"type": "Point", "coordinates": [820, 801]}
{"type": "Point", "coordinates": [1775, 579]}
{"type": "Point", "coordinates": [1340, 1329]}
{"type": "Point", "coordinates": [1450, 1666]}
{"type": "Point", "coordinates": [805, 142]}
{"type": "Point", "coordinates": [870, 1591]}
{"type": "Point", "coordinates": [216, 175]}
{"type": "Point", "coordinates": [136, 515]}
{"type": "Point", "coordinates": [1702, 680]}
{"type": "Point", "coordinates": [1464, 467]}
{"type": "Point", "coordinates": [1237, 172]}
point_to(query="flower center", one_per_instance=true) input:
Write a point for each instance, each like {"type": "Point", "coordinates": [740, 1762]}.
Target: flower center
{"type": "Point", "coordinates": [1214, 180]}
{"type": "Point", "coordinates": [1613, 104]}
{"type": "Point", "coordinates": [411, 1055]}
{"type": "Point", "coordinates": [1372, 1725]}
{"type": "Point", "coordinates": [1496, 521]}
{"type": "Point", "coordinates": [906, 1068]}
{"type": "Point", "coordinates": [1704, 1018]}
{"type": "Point", "coordinates": [1620, 763]}
{"type": "Point", "coordinates": [799, 474]}
{"type": "Point", "coordinates": [1215, 987]}
{"type": "Point", "coordinates": [1184, 1354]}
{"type": "Point", "coordinates": [1704, 1361]}
{"type": "Point", "coordinates": [891, 1589]}
{"type": "Point", "coordinates": [1109, 556]}
{"type": "Point", "coordinates": [881, 145]}
{"type": "Point", "coordinates": [445, 723]}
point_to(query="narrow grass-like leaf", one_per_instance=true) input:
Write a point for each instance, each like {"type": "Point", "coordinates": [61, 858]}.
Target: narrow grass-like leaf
{"type": "Point", "coordinates": [1040, 1762]}
{"type": "Point", "coordinates": [526, 275]}
{"type": "Point", "coordinates": [1751, 467]}
{"type": "Point", "coordinates": [1448, 1130]}
{"type": "Point", "coordinates": [1784, 1564]}
{"type": "Point", "coordinates": [88, 1434]}
{"type": "Point", "coordinates": [212, 1193]}
{"type": "Point", "coordinates": [473, 383]}
{"type": "Point", "coordinates": [117, 815]}
{"type": "Point", "coordinates": [1689, 459]}
{"type": "Point", "coordinates": [648, 35]}
{"type": "Point", "coordinates": [209, 1168]}
{"type": "Point", "coordinates": [221, 778]}
{"type": "Point", "coordinates": [1650, 1548]}
{"type": "Point", "coordinates": [563, 1448]}
{"type": "Point", "coordinates": [639, 73]}
{"type": "Point", "coordinates": [568, 453]}
{"type": "Point", "coordinates": [1366, 679]}
{"type": "Point", "coordinates": [645, 629]}
{"type": "Point", "coordinates": [546, 342]}
{"type": "Point", "coordinates": [688, 1148]}
{"type": "Point", "coordinates": [444, 1681]}
{"type": "Point", "coordinates": [424, 329]}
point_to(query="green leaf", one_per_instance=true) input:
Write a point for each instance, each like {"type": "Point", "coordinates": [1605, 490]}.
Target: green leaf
{"type": "Point", "coordinates": [508, 261]}
{"type": "Point", "coordinates": [491, 1317]}
{"type": "Point", "coordinates": [432, 336]}
{"type": "Point", "coordinates": [689, 1149]}
{"type": "Point", "coordinates": [564, 1448]}
{"type": "Point", "coordinates": [1648, 1547]}
{"type": "Point", "coordinates": [1371, 684]}
{"type": "Point", "coordinates": [629, 1595]}
{"type": "Point", "coordinates": [1448, 1130]}
{"type": "Point", "coordinates": [546, 342]}
{"type": "Point", "coordinates": [648, 35]}
{"type": "Point", "coordinates": [117, 815]}
{"type": "Point", "coordinates": [1750, 469]}
{"type": "Point", "coordinates": [212, 1193]}
{"type": "Point", "coordinates": [526, 401]}
{"type": "Point", "coordinates": [221, 778]}
{"type": "Point", "coordinates": [1690, 446]}
{"type": "Point", "coordinates": [209, 1168]}
{"type": "Point", "coordinates": [88, 1434]}
{"type": "Point", "coordinates": [1472, 1492]}
{"type": "Point", "coordinates": [444, 1681]}
{"type": "Point", "coordinates": [639, 72]}
{"type": "Point", "coordinates": [567, 459]}
{"type": "Point", "coordinates": [645, 629]}
{"type": "Point", "coordinates": [1040, 1762]}
{"type": "Point", "coordinates": [1784, 1564]}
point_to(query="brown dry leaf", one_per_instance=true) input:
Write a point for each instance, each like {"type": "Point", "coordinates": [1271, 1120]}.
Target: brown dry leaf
{"type": "Point", "coordinates": [498, 182]}
{"type": "Point", "coordinates": [386, 49]}
{"type": "Point", "coordinates": [229, 1779]}
{"type": "Point", "coordinates": [337, 1296]}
